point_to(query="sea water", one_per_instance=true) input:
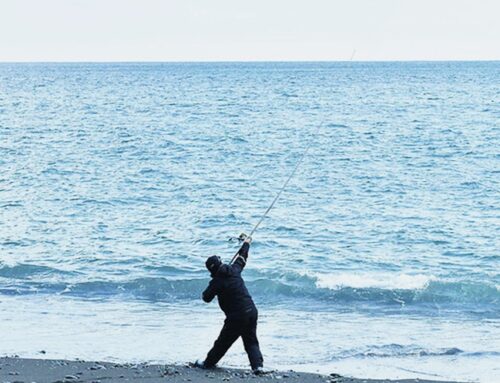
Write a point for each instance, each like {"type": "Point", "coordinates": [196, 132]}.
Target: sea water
{"type": "Point", "coordinates": [381, 259]}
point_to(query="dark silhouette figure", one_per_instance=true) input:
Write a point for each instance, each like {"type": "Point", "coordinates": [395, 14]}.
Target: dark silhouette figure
{"type": "Point", "coordinates": [236, 302]}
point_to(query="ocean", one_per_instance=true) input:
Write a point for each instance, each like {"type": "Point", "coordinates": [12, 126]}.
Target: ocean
{"type": "Point", "coordinates": [381, 259]}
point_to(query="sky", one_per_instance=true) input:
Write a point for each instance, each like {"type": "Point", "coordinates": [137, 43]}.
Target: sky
{"type": "Point", "coordinates": [251, 30]}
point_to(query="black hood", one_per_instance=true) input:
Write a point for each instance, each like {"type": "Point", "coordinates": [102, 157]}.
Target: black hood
{"type": "Point", "coordinates": [213, 264]}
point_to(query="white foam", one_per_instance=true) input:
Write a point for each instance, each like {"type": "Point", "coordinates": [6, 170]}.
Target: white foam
{"type": "Point", "coordinates": [389, 281]}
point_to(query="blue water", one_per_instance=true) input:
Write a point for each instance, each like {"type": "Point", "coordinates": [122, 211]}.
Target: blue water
{"type": "Point", "coordinates": [381, 259]}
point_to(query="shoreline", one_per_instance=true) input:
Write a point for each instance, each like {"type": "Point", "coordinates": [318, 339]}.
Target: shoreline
{"type": "Point", "coordinates": [24, 370]}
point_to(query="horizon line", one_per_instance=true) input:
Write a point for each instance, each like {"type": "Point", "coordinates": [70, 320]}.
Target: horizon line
{"type": "Point", "coordinates": [235, 61]}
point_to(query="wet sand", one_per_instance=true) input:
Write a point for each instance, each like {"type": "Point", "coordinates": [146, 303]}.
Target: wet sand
{"type": "Point", "coordinates": [18, 370]}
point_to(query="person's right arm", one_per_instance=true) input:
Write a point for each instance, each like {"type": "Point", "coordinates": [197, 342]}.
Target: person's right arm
{"type": "Point", "coordinates": [241, 259]}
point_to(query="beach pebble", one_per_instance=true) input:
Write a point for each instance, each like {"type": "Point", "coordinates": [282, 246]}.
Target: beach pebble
{"type": "Point", "coordinates": [97, 367]}
{"type": "Point", "coordinates": [170, 371]}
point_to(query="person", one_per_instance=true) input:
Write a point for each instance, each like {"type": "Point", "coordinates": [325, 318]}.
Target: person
{"type": "Point", "coordinates": [238, 306]}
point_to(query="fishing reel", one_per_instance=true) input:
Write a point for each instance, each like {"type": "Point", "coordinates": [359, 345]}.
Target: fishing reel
{"type": "Point", "coordinates": [240, 239]}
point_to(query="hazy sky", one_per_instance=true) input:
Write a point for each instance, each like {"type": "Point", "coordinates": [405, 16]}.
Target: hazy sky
{"type": "Point", "coordinates": [188, 30]}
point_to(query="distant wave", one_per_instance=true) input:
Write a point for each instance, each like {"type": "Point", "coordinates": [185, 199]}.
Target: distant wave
{"type": "Point", "coordinates": [26, 271]}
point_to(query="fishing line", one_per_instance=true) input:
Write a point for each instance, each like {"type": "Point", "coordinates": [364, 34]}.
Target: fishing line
{"type": "Point", "coordinates": [281, 190]}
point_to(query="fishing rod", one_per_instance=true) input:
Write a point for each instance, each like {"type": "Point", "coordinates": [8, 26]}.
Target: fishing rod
{"type": "Point", "coordinates": [242, 236]}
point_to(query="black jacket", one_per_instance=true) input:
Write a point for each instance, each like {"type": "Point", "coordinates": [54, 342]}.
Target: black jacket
{"type": "Point", "coordinates": [228, 286]}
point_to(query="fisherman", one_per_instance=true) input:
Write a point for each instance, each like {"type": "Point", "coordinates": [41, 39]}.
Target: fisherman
{"type": "Point", "coordinates": [237, 304]}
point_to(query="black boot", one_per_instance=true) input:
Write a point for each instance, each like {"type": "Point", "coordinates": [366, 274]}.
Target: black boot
{"type": "Point", "coordinates": [202, 365]}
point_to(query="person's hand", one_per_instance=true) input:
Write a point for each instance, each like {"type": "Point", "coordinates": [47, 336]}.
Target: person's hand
{"type": "Point", "coordinates": [242, 236]}
{"type": "Point", "coordinates": [248, 240]}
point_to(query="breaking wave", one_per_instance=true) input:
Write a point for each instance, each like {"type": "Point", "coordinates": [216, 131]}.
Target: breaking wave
{"type": "Point", "coordinates": [343, 289]}
{"type": "Point", "coordinates": [395, 350]}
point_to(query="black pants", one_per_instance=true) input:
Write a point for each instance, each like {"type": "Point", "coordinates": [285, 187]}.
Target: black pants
{"type": "Point", "coordinates": [246, 327]}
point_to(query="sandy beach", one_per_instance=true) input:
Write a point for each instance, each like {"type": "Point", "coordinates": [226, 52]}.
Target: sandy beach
{"type": "Point", "coordinates": [18, 370]}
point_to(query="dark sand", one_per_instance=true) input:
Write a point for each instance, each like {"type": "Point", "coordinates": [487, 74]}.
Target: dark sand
{"type": "Point", "coordinates": [17, 370]}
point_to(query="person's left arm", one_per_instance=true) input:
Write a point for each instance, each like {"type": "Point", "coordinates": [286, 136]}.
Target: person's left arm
{"type": "Point", "coordinates": [211, 291]}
